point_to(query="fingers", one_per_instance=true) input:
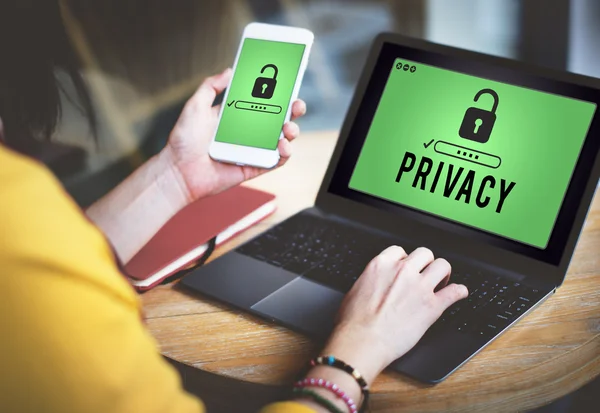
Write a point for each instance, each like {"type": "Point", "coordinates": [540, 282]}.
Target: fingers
{"type": "Point", "coordinates": [451, 294]}
{"type": "Point", "coordinates": [388, 259]}
{"type": "Point", "coordinates": [285, 150]}
{"type": "Point", "coordinates": [437, 272]}
{"type": "Point", "coordinates": [420, 258]}
{"type": "Point", "coordinates": [291, 131]}
{"type": "Point", "coordinates": [385, 266]}
{"type": "Point", "coordinates": [394, 253]}
{"type": "Point", "coordinates": [211, 87]}
{"type": "Point", "coordinates": [298, 109]}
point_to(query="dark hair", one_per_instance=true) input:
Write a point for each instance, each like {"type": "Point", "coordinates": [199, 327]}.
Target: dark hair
{"type": "Point", "coordinates": [34, 45]}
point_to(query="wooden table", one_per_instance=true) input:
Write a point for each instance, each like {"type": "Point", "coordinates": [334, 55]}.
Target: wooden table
{"type": "Point", "coordinates": [550, 353]}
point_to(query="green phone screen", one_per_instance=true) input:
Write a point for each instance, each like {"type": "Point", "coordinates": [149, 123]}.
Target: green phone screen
{"type": "Point", "coordinates": [260, 93]}
{"type": "Point", "coordinates": [501, 164]}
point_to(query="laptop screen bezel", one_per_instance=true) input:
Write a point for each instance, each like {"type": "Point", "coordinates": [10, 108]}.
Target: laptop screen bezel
{"type": "Point", "coordinates": [334, 194]}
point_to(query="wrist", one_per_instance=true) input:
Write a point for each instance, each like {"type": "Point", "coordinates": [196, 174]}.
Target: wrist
{"type": "Point", "coordinates": [357, 351]}
{"type": "Point", "coordinates": [175, 187]}
{"type": "Point", "coordinates": [345, 386]}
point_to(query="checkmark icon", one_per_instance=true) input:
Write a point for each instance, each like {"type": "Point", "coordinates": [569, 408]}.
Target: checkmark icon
{"type": "Point", "coordinates": [229, 104]}
{"type": "Point", "coordinates": [427, 145]}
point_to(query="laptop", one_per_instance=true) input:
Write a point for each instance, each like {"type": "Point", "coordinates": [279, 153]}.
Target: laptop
{"type": "Point", "coordinates": [490, 163]}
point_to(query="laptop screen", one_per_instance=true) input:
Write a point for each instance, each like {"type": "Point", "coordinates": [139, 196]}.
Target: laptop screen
{"type": "Point", "coordinates": [493, 156]}
{"type": "Point", "coordinates": [492, 164]}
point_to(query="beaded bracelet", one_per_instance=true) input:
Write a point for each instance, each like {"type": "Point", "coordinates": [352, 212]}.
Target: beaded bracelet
{"type": "Point", "coordinates": [334, 388]}
{"type": "Point", "coordinates": [317, 398]}
{"type": "Point", "coordinates": [339, 364]}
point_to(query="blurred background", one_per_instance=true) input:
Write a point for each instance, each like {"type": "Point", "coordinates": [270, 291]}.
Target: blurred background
{"type": "Point", "coordinates": [144, 58]}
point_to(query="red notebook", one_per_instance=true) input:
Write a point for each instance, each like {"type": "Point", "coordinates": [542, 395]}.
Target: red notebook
{"type": "Point", "coordinates": [185, 238]}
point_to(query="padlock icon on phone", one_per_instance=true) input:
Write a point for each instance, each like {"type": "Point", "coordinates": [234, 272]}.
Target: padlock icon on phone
{"type": "Point", "coordinates": [478, 123]}
{"type": "Point", "coordinates": [264, 87]}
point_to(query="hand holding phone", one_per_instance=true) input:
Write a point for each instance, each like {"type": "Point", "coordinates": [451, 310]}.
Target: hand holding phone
{"type": "Point", "coordinates": [268, 72]}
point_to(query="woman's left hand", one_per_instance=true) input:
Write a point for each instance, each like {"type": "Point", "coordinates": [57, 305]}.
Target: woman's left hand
{"type": "Point", "coordinates": [187, 149]}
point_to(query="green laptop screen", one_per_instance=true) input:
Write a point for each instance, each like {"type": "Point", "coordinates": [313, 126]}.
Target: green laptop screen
{"type": "Point", "coordinates": [486, 154]}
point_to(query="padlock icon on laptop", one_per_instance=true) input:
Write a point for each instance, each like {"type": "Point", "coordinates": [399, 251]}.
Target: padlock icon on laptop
{"type": "Point", "coordinates": [264, 87]}
{"type": "Point", "coordinates": [478, 123]}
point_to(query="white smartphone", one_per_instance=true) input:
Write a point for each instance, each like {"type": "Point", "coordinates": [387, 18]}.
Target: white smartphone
{"type": "Point", "coordinates": [267, 73]}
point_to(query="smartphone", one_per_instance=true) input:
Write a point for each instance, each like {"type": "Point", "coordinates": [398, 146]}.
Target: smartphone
{"type": "Point", "coordinates": [268, 70]}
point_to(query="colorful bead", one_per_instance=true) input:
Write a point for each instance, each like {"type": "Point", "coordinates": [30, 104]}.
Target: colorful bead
{"type": "Point", "coordinates": [334, 388]}
{"type": "Point", "coordinates": [339, 364]}
{"type": "Point", "coordinates": [322, 401]}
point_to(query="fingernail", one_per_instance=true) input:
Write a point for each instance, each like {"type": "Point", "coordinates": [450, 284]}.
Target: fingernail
{"type": "Point", "coordinates": [464, 290]}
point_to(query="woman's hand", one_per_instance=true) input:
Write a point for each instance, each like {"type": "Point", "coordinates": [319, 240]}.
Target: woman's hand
{"type": "Point", "coordinates": [187, 149]}
{"type": "Point", "coordinates": [387, 311]}
{"type": "Point", "coordinates": [390, 307]}
{"type": "Point", "coordinates": [132, 213]}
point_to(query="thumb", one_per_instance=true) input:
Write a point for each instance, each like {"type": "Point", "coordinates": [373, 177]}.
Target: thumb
{"type": "Point", "coordinates": [211, 87]}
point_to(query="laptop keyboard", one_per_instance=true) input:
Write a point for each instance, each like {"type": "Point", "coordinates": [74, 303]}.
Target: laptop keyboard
{"type": "Point", "coordinates": [324, 251]}
{"type": "Point", "coordinates": [493, 303]}
{"type": "Point", "coordinates": [336, 255]}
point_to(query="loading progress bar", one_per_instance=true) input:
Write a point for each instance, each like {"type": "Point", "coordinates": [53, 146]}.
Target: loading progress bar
{"type": "Point", "coordinates": [466, 154]}
{"type": "Point", "coordinates": [258, 107]}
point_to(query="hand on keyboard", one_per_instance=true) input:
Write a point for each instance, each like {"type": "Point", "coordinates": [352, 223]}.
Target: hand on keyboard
{"type": "Point", "coordinates": [393, 303]}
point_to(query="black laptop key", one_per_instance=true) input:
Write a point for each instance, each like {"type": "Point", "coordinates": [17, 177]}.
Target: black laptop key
{"type": "Point", "coordinates": [276, 262]}
{"type": "Point", "coordinates": [339, 275]}
{"type": "Point", "coordinates": [499, 301]}
{"type": "Point", "coordinates": [300, 265]}
{"type": "Point", "coordinates": [464, 326]}
{"type": "Point", "coordinates": [251, 249]}
{"type": "Point", "coordinates": [522, 308]}
{"type": "Point", "coordinates": [503, 319]}
{"type": "Point", "coordinates": [259, 256]}
{"type": "Point", "coordinates": [319, 274]}
{"type": "Point", "coordinates": [498, 321]}
{"type": "Point", "coordinates": [487, 330]}
{"type": "Point", "coordinates": [287, 257]}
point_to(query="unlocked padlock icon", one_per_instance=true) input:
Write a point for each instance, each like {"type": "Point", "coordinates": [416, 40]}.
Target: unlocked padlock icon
{"type": "Point", "coordinates": [478, 123]}
{"type": "Point", "coordinates": [264, 87]}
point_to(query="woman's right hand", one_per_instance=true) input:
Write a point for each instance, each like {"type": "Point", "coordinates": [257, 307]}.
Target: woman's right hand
{"type": "Point", "coordinates": [389, 308]}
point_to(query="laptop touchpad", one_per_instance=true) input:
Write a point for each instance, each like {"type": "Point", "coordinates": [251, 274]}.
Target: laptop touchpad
{"type": "Point", "coordinates": [303, 305]}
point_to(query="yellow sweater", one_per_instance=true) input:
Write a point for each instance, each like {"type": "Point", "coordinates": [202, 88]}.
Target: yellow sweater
{"type": "Point", "coordinates": [71, 332]}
